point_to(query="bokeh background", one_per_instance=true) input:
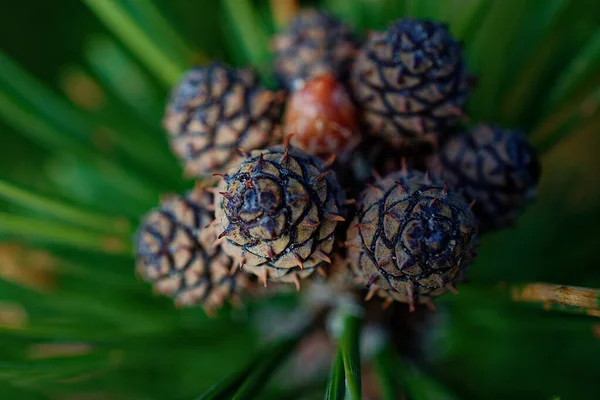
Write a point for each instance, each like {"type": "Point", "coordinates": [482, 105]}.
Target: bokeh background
{"type": "Point", "coordinates": [83, 157]}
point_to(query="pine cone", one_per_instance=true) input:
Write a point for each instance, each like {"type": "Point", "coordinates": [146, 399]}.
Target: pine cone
{"type": "Point", "coordinates": [175, 251]}
{"type": "Point", "coordinates": [322, 118]}
{"type": "Point", "coordinates": [495, 167]}
{"type": "Point", "coordinates": [411, 82]}
{"type": "Point", "coordinates": [315, 43]}
{"type": "Point", "coordinates": [278, 212]}
{"type": "Point", "coordinates": [410, 238]}
{"type": "Point", "coordinates": [216, 110]}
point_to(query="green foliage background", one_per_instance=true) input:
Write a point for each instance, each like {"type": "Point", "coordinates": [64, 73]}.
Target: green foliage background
{"type": "Point", "coordinates": [76, 175]}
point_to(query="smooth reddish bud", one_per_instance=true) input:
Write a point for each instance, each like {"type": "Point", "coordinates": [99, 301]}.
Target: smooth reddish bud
{"type": "Point", "coordinates": [322, 118]}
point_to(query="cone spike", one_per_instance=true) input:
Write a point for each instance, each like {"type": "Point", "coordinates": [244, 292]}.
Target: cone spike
{"type": "Point", "coordinates": [209, 311]}
{"type": "Point", "coordinates": [286, 145]}
{"type": "Point", "coordinates": [400, 186]}
{"type": "Point", "coordinates": [309, 223]}
{"type": "Point", "coordinates": [427, 178]}
{"type": "Point", "coordinates": [419, 127]}
{"type": "Point", "coordinates": [322, 272]}
{"type": "Point", "coordinates": [264, 276]}
{"type": "Point", "coordinates": [297, 282]}
{"type": "Point", "coordinates": [321, 176]}
{"type": "Point", "coordinates": [333, 217]}
{"type": "Point", "coordinates": [236, 301]}
{"type": "Point", "coordinates": [218, 242]}
{"type": "Point", "coordinates": [234, 269]}
{"type": "Point", "coordinates": [451, 288]}
{"type": "Point", "coordinates": [329, 162]}
{"type": "Point", "coordinates": [226, 195]}
{"type": "Point", "coordinates": [404, 167]}
{"type": "Point", "coordinates": [411, 297]}
{"type": "Point", "coordinates": [372, 280]}
{"type": "Point", "coordinates": [349, 202]}
{"type": "Point", "coordinates": [392, 215]}
{"type": "Point", "coordinates": [445, 192]}
{"type": "Point", "coordinates": [371, 293]}
{"type": "Point", "coordinates": [298, 261]}
{"type": "Point", "coordinates": [376, 174]}
{"type": "Point", "coordinates": [472, 204]}
{"type": "Point", "coordinates": [429, 304]}
{"type": "Point", "coordinates": [387, 303]}
{"type": "Point", "coordinates": [322, 256]}
{"type": "Point", "coordinates": [361, 225]}
{"type": "Point", "coordinates": [225, 232]}
{"type": "Point", "coordinates": [243, 152]}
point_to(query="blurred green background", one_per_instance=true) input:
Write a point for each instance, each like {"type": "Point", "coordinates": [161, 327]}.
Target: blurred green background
{"type": "Point", "coordinates": [83, 157]}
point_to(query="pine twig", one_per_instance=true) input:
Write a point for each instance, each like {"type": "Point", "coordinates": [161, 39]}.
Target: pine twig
{"type": "Point", "coordinates": [551, 296]}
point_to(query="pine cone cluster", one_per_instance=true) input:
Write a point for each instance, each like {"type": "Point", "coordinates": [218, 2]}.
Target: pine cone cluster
{"type": "Point", "coordinates": [292, 166]}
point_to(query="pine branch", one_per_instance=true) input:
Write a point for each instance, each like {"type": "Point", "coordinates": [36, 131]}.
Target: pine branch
{"type": "Point", "coordinates": [560, 297]}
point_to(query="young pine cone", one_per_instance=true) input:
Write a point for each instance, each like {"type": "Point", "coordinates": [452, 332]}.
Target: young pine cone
{"type": "Point", "coordinates": [216, 110]}
{"type": "Point", "coordinates": [411, 82]}
{"type": "Point", "coordinates": [277, 213]}
{"type": "Point", "coordinates": [322, 119]}
{"type": "Point", "coordinates": [496, 168]}
{"type": "Point", "coordinates": [315, 43]}
{"type": "Point", "coordinates": [175, 251]}
{"type": "Point", "coordinates": [411, 238]}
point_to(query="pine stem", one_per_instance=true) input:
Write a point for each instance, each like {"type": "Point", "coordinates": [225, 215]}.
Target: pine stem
{"type": "Point", "coordinates": [551, 295]}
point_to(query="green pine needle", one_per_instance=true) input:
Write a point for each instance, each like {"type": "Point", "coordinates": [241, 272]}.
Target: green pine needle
{"type": "Point", "coordinates": [68, 213]}
{"type": "Point", "coordinates": [55, 233]}
{"type": "Point", "coordinates": [350, 349]}
{"type": "Point", "coordinates": [335, 385]}
{"type": "Point", "coordinates": [249, 31]}
{"type": "Point", "coordinates": [118, 20]}
{"type": "Point", "coordinates": [384, 367]}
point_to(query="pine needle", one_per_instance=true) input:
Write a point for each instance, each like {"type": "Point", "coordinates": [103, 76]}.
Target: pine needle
{"type": "Point", "coordinates": [115, 16]}
{"type": "Point", "coordinates": [246, 25]}
{"type": "Point", "coordinates": [335, 386]}
{"type": "Point", "coordinates": [68, 213]}
{"type": "Point", "coordinates": [349, 347]}
{"type": "Point", "coordinates": [54, 233]}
